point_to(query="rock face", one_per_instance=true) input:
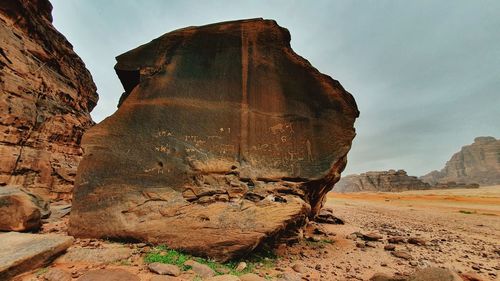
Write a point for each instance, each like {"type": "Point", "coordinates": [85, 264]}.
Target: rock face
{"type": "Point", "coordinates": [46, 94]}
{"type": "Point", "coordinates": [386, 181]}
{"type": "Point", "coordinates": [224, 139]}
{"type": "Point", "coordinates": [21, 252]}
{"type": "Point", "coordinates": [475, 163]}
{"type": "Point", "coordinates": [21, 210]}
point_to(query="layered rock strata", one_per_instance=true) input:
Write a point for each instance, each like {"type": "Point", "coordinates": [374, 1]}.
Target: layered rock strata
{"type": "Point", "coordinates": [385, 181]}
{"type": "Point", "coordinates": [477, 163]}
{"type": "Point", "coordinates": [224, 139]}
{"type": "Point", "coordinates": [46, 94]}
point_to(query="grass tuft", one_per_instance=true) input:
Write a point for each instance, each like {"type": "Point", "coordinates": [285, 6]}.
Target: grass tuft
{"type": "Point", "coordinates": [163, 254]}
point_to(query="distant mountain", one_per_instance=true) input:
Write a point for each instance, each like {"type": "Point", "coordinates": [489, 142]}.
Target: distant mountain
{"type": "Point", "coordinates": [476, 163]}
{"type": "Point", "coordinates": [387, 181]}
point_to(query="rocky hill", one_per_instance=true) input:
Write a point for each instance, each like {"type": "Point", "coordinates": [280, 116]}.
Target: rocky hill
{"type": "Point", "coordinates": [46, 94]}
{"type": "Point", "coordinates": [386, 181]}
{"type": "Point", "coordinates": [475, 163]}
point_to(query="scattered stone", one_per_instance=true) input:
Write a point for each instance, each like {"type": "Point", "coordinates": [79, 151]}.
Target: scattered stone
{"type": "Point", "coordinates": [471, 276]}
{"type": "Point", "coordinates": [225, 277]}
{"type": "Point", "coordinates": [434, 274]}
{"type": "Point", "coordinates": [167, 278]}
{"type": "Point", "coordinates": [371, 245]}
{"type": "Point", "coordinates": [396, 240]}
{"type": "Point", "coordinates": [372, 237]}
{"type": "Point", "coordinates": [164, 269]}
{"type": "Point", "coordinates": [290, 276]}
{"type": "Point", "coordinates": [326, 216]}
{"type": "Point", "coordinates": [389, 247]}
{"type": "Point", "coordinates": [360, 244]}
{"type": "Point", "coordinates": [21, 210]}
{"type": "Point", "coordinates": [385, 277]}
{"type": "Point", "coordinates": [89, 255]}
{"type": "Point", "coordinates": [416, 241]}
{"type": "Point", "coordinates": [57, 274]}
{"type": "Point", "coordinates": [298, 267]}
{"type": "Point", "coordinates": [108, 275]}
{"type": "Point", "coordinates": [21, 252]}
{"type": "Point", "coordinates": [201, 269]}
{"type": "Point", "coordinates": [251, 277]}
{"type": "Point", "coordinates": [402, 255]}
{"type": "Point", "coordinates": [241, 266]}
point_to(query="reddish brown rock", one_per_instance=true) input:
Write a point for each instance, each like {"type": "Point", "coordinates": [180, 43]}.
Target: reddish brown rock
{"type": "Point", "coordinates": [477, 163]}
{"type": "Point", "coordinates": [386, 181]}
{"type": "Point", "coordinates": [21, 210]}
{"type": "Point", "coordinates": [46, 94]}
{"type": "Point", "coordinates": [224, 139]}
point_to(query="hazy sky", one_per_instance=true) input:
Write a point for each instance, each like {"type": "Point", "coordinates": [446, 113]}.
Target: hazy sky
{"type": "Point", "coordinates": [425, 74]}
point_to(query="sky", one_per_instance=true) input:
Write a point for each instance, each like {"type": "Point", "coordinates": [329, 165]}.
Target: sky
{"type": "Point", "coordinates": [425, 74]}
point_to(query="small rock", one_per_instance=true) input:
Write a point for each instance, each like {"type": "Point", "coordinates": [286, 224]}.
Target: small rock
{"type": "Point", "coordinates": [164, 269]}
{"type": "Point", "coordinates": [370, 244]}
{"type": "Point", "coordinates": [290, 276]}
{"type": "Point", "coordinates": [371, 237]}
{"type": "Point", "coordinates": [225, 277]}
{"type": "Point", "coordinates": [416, 241]}
{"type": "Point", "coordinates": [389, 247]}
{"type": "Point", "coordinates": [56, 274]}
{"type": "Point", "coordinates": [298, 268]}
{"type": "Point", "coordinates": [384, 277]}
{"type": "Point", "coordinates": [476, 267]}
{"type": "Point", "coordinates": [108, 275]}
{"type": "Point", "coordinates": [396, 240]}
{"type": "Point", "coordinates": [360, 244]}
{"type": "Point", "coordinates": [202, 270]}
{"type": "Point", "coordinates": [318, 267]}
{"type": "Point", "coordinates": [402, 255]}
{"type": "Point", "coordinates": [241, 266]}
{"type": "Point", "coordinates": [413, 263]}
{"type": "Point", "coordinates": [434, 274]}
{"type": "Point", "coordinates": [251, 277]}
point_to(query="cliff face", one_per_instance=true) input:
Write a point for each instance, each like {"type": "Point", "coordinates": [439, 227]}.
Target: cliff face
{"type": "Point", "coordinates": [385, 181]}
{"type": "Point", "coordinates": [223, 135]}
{"type": "Point", "coordinates": [476, 163]}
{"type": "Point", "coordinates": [46, 95]}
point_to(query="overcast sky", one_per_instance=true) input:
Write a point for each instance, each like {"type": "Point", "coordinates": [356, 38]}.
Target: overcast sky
{"type": "Point", "coordinates": [425, 74]}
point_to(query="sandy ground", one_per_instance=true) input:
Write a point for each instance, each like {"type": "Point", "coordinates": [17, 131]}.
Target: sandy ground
{"type": "Point", "coordinates": [460, 229]}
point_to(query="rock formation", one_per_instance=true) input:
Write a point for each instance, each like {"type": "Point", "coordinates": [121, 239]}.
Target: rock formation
{"type": "Point", "coordinates": [21, 210]}
{"type": "Point", "coordinates": [46, 94]}
{"type": "Point", "coordinates": [224, 139]}
{"type": "Point", "coordinates": [386, 181]}
{"type": "Point", "coordinates": [475, 163]}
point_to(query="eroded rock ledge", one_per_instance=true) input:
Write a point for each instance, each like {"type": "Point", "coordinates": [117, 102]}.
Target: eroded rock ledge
{"type": "Point", "coordinates": [46, 94]}
{"type": "Point", "coordinates": [224, 139]}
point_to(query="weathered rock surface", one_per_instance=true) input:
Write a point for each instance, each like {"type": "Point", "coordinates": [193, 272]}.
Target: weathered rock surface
{"type": "Point", "coordinates": [108, 275]}
{"type": "Point", "coordinates": [21, 210]}
{"type": "Point", "coordinates": [46, 94]}
{"type": "Point", "coordinates": [224, 139]}
{"type": "Point", "coordinates": [386, 181]}
{"type": "Point", "coordinates": [21, 252]}
{"type": "Point", "coordinates": [475, 163]}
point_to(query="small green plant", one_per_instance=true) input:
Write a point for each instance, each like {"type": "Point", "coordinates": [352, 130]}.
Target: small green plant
{"type": "Point", "coordinates": [41, 271]}
{"type": "Point", "coordinates": [162, 254]}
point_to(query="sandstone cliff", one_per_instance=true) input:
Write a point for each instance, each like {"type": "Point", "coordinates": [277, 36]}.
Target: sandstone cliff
{"type": "Point", "coordinates": [475, 163]}
{"type": "Point", "coordinates": [46, 94]}
{"type": "Point", "coordinates": [224, 139]}
{"type": "Point", "coordinates": [385, 181]}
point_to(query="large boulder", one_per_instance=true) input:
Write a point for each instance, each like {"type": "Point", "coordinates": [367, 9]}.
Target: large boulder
{"type": "Point", "coordinates": [46, 94]}
{"type": "Point", "coordinates": [477, 163]}
{"type": "Point", "coordinates": [224, 139]}
{"type": "Point", "coordinates": [21, 210]}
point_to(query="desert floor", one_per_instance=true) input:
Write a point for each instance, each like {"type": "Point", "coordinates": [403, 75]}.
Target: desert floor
{"type": "Point", "coordinates": [460, 229]}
